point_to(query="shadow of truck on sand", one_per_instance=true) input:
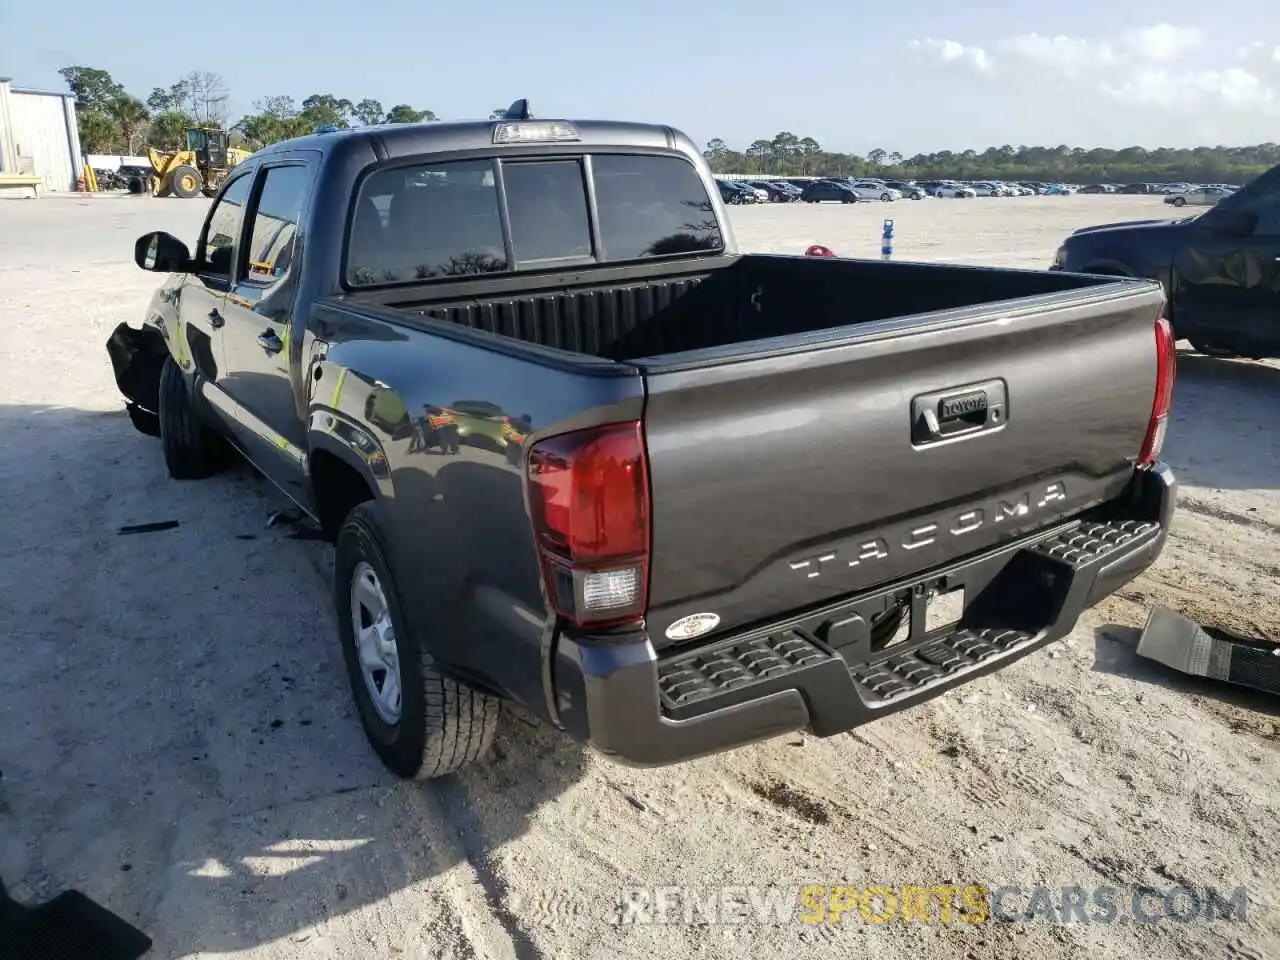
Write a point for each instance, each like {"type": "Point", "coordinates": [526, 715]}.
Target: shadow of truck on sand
{"type": "Point", "coordinates": [176, 732]}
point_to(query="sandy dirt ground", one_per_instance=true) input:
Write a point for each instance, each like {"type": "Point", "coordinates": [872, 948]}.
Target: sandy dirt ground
{"type": "Point", "coordinates": [176, 738]}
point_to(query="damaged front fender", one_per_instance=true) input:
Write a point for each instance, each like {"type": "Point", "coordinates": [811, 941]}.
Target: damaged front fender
{"type": "Point", "coordinates": [137, 357]}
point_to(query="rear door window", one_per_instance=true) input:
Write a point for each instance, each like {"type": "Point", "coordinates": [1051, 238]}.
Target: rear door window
{"type": "Point", "coordinates": [275, 222]}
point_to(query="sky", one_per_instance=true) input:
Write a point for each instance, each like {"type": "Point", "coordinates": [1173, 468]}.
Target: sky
{"type": "Point", "coordinates": [909, 78]}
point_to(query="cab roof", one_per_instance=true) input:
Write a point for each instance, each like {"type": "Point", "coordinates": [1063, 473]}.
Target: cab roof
{"type": "Point", "coordinates": [411, 139]}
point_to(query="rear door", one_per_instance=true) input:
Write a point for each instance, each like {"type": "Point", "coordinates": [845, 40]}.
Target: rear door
{"type": "Point", "coordinates": [782, 482]}
{"type": "Point", "coordinates": [259, 324]}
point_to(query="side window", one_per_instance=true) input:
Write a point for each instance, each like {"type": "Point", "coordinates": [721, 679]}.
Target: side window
{"type": "Point", "coordinates": [275, 222]}
{"type": "Point", "coordinates": [217, 244]}
{"type": "Point", "coordinates": [547, 203]}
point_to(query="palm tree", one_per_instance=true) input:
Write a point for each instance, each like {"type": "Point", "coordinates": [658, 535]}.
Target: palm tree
{"type": "Point", "coordinates": [130, 115]}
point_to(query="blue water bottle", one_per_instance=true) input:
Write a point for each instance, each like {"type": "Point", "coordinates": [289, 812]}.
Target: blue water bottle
{"type": "Point", "coordinates": [886, 241]}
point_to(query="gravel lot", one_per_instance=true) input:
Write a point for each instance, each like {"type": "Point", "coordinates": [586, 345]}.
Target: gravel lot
{"type": "Point", "coordinates": [176, 739]}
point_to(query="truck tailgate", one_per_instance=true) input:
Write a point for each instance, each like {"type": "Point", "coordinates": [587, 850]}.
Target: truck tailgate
{"type": "Point", "coordinates": [786, 475]}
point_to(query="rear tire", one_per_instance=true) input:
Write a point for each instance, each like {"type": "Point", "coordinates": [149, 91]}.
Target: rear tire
{"type": "Point", "coordinates": [441, 725]}
{"type": "Point", "coordinates": [1179, 201]}
{"type": "Point", "coordinates": [192, 449]}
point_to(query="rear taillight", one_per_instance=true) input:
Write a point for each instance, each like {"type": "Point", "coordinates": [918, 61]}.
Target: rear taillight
{"type": "Point", "coordinates": [1166, 354]}
{"type": "Point", "coordinates": [589, 503]}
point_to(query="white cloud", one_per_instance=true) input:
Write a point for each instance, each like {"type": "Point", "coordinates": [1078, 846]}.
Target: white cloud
{"type": "Point", "coordinates": [1071, 54]}
{"type": "Point", "coordinates": [1163, 42]}
{"type": "Point", "coordinates": [1144, 68]}
{"type": "Point", "coordinates": [1232, 87]}
{"type": "Point", "coordinates": [949, 51]}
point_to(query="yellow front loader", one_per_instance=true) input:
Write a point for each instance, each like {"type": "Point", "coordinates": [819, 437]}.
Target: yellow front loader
{"type": "Point", "coordinates": [198, 169]}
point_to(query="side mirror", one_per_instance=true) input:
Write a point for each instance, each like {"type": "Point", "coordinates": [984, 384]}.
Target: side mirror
{"type": "Point", "coordinates": [1231, 223]}
{"type": "Point", "coordinates": [162, 252]}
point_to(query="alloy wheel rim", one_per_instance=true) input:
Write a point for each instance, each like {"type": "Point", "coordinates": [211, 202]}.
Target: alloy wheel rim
{"type": "Point", "coordinates": [375, 640]}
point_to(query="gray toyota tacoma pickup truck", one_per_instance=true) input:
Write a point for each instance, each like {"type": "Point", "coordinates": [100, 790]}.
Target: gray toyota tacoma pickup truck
{"type": "Point", "coordinates": [578, 453]}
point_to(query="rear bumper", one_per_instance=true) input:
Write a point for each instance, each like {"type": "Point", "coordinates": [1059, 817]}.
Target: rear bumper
{"type": "Point", "coordinates": [815, 672]}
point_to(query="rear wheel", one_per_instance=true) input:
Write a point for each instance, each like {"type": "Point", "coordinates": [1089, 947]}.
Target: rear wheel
{"type": "Point", "coordinates": [185, 181]}
{"type": "Point", "coordinates": [419, 721]}
{"type": "Point", "coordinates": [192, 450]}
{"type": "Point", "coordinates": [1179, 201]}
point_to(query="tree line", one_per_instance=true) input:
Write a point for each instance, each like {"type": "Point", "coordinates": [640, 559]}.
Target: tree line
{"type": "Point", "coordinates": [788, 154]}
{"type": "Point", "coordinates": [114, 121]}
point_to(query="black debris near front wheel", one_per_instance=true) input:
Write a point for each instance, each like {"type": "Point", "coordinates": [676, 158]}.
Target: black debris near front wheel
{"type": "Point", "coordinates": [137, 360]}
{"type": "Point", "coordinates": [443, 726]}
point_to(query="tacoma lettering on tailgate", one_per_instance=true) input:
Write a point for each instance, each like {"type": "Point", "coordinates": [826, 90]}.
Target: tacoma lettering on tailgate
{"type": "Point", "coordinates": [957, 525]}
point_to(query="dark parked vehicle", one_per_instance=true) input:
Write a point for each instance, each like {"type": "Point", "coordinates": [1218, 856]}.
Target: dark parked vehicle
{"type": "Point", "coordinates": [1135, 188]}
{"type": "Point", "coordinates": [742, 494]}
{"type": "Point", "coordinates": [778, 192]}
{"type": "Point", "coordinates": [733, 192]}
{"type": "Point", "coordinates": [1220, 270]}
{"type": "Point", "coordinates": [821, 191]}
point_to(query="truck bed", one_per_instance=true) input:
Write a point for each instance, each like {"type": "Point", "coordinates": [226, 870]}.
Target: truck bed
{"type": "Point", "coordinates": [787, 402]}
{"type": "Point", "coordinates": [630, 313]}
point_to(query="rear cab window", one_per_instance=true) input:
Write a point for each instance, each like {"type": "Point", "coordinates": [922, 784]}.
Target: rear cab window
{"type": "Point", "coordinates": [437, 220]}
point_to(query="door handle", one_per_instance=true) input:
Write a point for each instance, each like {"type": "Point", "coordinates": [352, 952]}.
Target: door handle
{"type": "Point", "coordinates": [269, 342]}
{"type": "Point", "coordinates": [215, 319]}
{"type": "Point", "coordinates": [958, 412]}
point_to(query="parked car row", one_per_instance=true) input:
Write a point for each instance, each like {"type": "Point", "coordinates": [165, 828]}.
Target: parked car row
{"type": "Point", "coordinates": [851, 190]}
{"type": "Point", "coordinates": [1168, 189]}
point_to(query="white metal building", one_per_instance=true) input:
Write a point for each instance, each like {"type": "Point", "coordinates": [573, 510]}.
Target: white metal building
{"type": "Point", "coordinates": [39, 135]}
